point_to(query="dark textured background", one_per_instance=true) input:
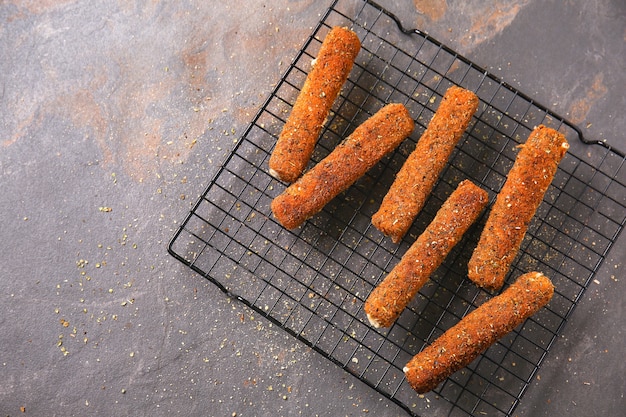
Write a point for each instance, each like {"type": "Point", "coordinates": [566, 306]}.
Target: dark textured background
{"type": "Point", "coordinates": [113, 117]}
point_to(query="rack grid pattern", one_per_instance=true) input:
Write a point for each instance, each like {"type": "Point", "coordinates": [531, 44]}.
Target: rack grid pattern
{"type": "Point", "coordinates": [313, 281]}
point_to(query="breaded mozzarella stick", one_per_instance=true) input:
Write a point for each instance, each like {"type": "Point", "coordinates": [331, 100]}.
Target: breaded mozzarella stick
{"type": "Point", "coordinates": [515, 206]}
{"type": "Point", "coordinates": [367, 144]}
{"type": "Point", "coordinates": [481, 328]}
{"type": "Point", "coordinates": [321, 88]}
{"type": "Point", "coordinates": [420, 171]}
{"type": "Point", "coordinates": [456, 215]}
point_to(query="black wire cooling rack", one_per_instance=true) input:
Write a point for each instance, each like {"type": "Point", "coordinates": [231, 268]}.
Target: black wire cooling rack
{"type": "Point", "coordinates": [313, 281]}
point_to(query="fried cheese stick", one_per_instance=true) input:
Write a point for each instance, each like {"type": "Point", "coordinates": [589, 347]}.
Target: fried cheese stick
{"type": "Point", "coordinates": [481, 328]}
{"type": "Point", "coordinates": [532, 172]}
{"type": "Point", "coordinates": [385, 304]}
{"type": "Point", "coordinates": [420, 171]}
{"type": "Point", "coordinates": [367, 144]}
{"type": "Point", "coordinates": [321, 88]}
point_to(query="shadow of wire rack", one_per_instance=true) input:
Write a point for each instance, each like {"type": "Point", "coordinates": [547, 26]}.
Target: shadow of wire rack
{"type": "Point", "coordinates": [313, 281]}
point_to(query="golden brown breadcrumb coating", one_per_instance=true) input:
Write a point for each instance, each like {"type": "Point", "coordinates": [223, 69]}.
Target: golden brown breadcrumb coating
{"type": "Point", "coordinates": [369, 142]}
{"type": "Point", "coordinates": [456, 215]}
{"type": "Point", "coordinates": [481, 328]}
{"type": "Point", "coordinates": [515, 206]}
{"type": "Point", "coordinates": [420, 171]}
{"type": "Point", "coordinates": [321, 88]}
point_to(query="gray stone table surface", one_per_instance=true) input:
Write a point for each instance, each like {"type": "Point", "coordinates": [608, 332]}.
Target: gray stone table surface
{"type": "Point", "coordinates": [113, 117]}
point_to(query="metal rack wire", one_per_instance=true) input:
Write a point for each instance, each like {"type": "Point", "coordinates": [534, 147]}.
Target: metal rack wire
{"type": "Point", "coordinates": [313, 281]}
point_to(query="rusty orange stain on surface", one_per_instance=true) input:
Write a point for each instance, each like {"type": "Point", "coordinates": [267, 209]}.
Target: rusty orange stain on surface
{"type": "Point", "coordinates": [580, 108]}
{"type": "Point", "coordinates": [141, 104]}
{"type": "Point", "coordinates": [20, 130]}
{"type": "Point", "coordinates": [434, 9]}
{"type": "Point", "coordinates": [40, 6]}
{"type": "Point", "coordinates": [469, 23]}
{"type": "Point", "coordinates": [196, 65]}
{"type": "Point", "coordinates": [84, 112]}
{"type": "Point", "coordinates": [485, 25]}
